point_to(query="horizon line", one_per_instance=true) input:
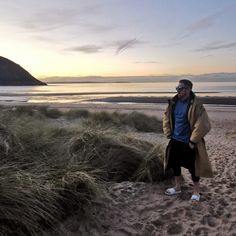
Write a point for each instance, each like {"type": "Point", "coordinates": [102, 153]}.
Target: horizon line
{"type": "Point", "coordinates": [125, 76]}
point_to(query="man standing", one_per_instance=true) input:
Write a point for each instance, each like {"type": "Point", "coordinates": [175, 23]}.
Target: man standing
{"type": "Point", "coordinates": [185, 123]}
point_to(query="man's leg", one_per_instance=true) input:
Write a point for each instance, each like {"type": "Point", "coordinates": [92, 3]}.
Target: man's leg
{"type": "Point", "coordinates": [175, 166]}
{"type": "Point", "coordinates": [190, 164]}
{"type": "Point", "coordinates": [196, 189]}
{"type": "Point", "coordinates": [178, 178]}
{"type": "Point", "coordinates": [195, 179]}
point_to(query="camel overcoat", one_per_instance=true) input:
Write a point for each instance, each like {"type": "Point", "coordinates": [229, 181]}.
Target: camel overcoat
{"type": "Point", "coordinates": [199, 126]}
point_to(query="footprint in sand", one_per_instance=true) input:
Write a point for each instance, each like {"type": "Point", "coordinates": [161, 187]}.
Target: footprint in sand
{"type": "Point", "coordinates": [185, 196]}
{"type": "Point", "coordinates": [201, 231]}
{"type": "Point", "coordinates": [149, 228]}
{"type": "Point", "coordinates": [158, 223]}
{"type": "Point", "coordinates": [209, 220]}
{"type": "Point", "coordinates": [166, 216]}
{"type": "Point", "coordinates": [178, 212]}
{"type": "Point", "coordinates": [223, 202]}
{"type": "Point", "coordinates": [206, 197]}
{"type": "Point", "coordinates": [216, 211]}
{"type": "Point", "coordinates": [174, 228]}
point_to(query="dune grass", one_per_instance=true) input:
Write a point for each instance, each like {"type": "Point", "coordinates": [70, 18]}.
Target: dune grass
{"type": "Point", "coordinates": [135, 120]}
{"type": "Point", "coordinates": [151, 168]}
{"type": "Point", "coordinates": [49, 170]}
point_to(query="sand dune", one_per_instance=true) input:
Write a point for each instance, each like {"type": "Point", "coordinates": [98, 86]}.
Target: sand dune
{"type": "Point", "coordinates": [128, 208]}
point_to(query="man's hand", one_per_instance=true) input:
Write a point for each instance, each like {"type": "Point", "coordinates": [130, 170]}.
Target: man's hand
{"type": "Point", "coordinates": [191, 145]}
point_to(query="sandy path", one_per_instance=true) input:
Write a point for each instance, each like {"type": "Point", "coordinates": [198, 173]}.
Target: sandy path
{"type": "Point", "coordinates": [141, 209]}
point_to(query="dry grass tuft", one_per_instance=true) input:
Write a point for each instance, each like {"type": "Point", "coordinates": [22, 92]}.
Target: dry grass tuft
{"type": "Point", "coordinates": [152, 167]}
{"type": "Point", "coordinates": [114, 156]}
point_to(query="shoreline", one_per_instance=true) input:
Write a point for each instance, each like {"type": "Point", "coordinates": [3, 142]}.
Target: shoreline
{"type": "Point", "coordinates": [92, 93]}
{"type": "Point", "coordinates": [205, 100]}
{"type": "Point", "coordinates": [124, 100]}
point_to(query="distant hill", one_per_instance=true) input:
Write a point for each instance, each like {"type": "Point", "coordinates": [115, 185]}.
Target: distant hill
{"type": "Point", "coordinates": [12, 74]}
{"type": "Point", "coordinates": [213, 77]}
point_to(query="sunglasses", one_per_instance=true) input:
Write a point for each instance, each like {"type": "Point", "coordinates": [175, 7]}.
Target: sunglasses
{"type": "Point", "coordinates": [180, 88]}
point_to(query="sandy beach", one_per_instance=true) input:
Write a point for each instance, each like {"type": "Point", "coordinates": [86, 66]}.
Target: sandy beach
{"type": "Point", "coordinates": [128, 208]}
{"type": "Point", "coordinates": [137, 208]}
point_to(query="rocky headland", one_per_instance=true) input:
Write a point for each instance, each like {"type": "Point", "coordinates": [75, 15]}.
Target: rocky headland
{"type": "Point", "coordinates": [12, 74]}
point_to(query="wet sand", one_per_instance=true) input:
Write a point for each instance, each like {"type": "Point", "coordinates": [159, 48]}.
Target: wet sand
{"type": "Point", "coordinates": [142, 99]}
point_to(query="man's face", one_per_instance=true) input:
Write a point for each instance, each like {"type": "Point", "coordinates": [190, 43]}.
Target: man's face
{"type": "Point", "coordinates": [182, 91]}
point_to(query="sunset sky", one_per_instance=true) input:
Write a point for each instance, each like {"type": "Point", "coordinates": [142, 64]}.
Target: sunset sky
{"type": "Point", "coordinates": [119, 37]}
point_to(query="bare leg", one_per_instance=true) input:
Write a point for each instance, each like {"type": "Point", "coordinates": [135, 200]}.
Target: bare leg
{"type": "Point", "coordinates": [196, 189]}
{"type": "Point", "coordinates": [178, 180]}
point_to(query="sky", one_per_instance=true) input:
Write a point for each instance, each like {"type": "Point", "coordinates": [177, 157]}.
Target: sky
{"type": "Point", "coordinates": [119, 37]}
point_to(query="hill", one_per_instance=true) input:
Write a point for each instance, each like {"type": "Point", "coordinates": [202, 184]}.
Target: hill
{"type": "Point", "coordinates": [212, 77]}
{"type": "Point", "coordinates": [12, 74]}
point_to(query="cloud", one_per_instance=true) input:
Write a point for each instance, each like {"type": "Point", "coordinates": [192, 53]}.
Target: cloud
{"type": "Point", "coordinates": [49, 19]}
{"type": "Point", "coordinates": [199, 25]}
{"type": "Point", "coordinates": [97, 27]}
{"type": "Point", "coordinates": [46, 16]}
{"type": "Point", "coordinates": [86, 49]}
{"type": "Point", "coordinates": [147, 62]}
{"type": "Point", "coordinates": [203, 23]}
{"type": "Point", "coordinates": [120, 46]}
{"type": "Point", "coordinates": [167, 45]}
{"type": "Point", "coordinates": [207, 56]}
{"type": "Point", "coordinates": [126, 44]}
{"type": "Point", "coordinates": [216, 46]}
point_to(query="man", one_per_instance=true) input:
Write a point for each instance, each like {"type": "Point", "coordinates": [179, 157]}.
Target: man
{"type": "Point", "coordinates": [185, 123]}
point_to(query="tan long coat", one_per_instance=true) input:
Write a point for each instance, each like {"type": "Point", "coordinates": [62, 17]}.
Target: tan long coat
{"type": "Point", "coordinates": [200, 126]}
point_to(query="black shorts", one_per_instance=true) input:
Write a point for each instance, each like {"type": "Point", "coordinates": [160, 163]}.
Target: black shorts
{"type": "Point", "coordinates": [181, 155]}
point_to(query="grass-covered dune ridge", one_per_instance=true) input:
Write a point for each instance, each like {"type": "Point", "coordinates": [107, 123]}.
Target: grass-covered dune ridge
{"type": "Point", "coordinates": [53, 162]}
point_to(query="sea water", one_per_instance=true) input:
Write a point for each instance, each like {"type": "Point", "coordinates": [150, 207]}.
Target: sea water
{"type": "Point", "coordinates": [82, 92]}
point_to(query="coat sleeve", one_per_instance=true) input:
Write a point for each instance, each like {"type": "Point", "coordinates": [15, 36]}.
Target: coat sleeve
{"type": "Point", "coordinates": [201, 126]}
{"type": "Point", "coordinates": [167, 123]}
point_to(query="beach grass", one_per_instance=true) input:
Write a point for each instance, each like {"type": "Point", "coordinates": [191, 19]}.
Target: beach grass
{"type": "Point", "coordinates": [135, 120]}
{"type": "Point", "coordinates": [52, 166]}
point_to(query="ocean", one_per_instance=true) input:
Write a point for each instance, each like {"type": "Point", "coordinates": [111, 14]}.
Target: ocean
{"type": "Point", "coordinates": [75, 93]}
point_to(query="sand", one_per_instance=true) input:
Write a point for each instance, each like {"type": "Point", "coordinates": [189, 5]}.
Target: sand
{"type": "Point", "coordinates": [139, 209]}
{"type": "Point", "coordinates": [142, 209]}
